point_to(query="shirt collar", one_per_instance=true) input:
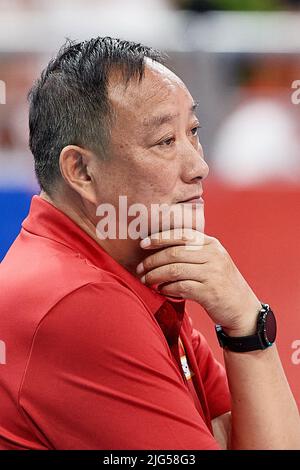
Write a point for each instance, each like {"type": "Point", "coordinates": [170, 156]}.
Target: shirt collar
{"type": "Point", "coordinates": [47, 221]}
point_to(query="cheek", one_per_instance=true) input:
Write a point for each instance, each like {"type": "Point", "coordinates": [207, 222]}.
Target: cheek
{"type": "Point", "coordinates": [156, 179]}
{"type": "Point", "coordinates": [142, 176]}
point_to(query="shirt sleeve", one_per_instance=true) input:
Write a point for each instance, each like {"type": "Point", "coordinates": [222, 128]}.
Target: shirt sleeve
{"type": "Point", "coordinates": [212, 373]}
{"type": "Point", "coordinates": [101, 376]}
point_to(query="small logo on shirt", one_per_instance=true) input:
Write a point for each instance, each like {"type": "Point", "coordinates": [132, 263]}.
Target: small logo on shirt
{"type": "Point", "coordinates": [2, 352]}
{"type": "Point", "coordinates": [2, 92]}
{"type": "Point", "coordinates": [185, 367]}
{"type": "Point", "coordinates": [184, 363]}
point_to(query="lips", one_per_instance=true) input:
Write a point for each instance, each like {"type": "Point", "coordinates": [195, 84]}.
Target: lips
{"type": "Point", "coordinates": [196, 199]}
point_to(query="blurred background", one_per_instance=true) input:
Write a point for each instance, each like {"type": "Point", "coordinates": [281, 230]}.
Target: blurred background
{"type": "Point", "coordinates": [241, 61]}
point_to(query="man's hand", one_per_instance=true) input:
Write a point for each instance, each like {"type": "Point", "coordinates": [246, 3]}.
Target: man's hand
{"type": "Point", "coordinates": [198, 267]}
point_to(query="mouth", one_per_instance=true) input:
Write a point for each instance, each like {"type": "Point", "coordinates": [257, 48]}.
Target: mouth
{"type": "Point", "coordinates": [194, 199]}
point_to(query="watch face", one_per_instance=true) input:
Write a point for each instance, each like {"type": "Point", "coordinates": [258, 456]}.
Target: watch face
{"type": "Point", "coordinates": [270, 327]}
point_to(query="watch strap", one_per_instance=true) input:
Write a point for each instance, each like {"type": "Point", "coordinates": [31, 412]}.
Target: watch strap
{"type": "Point", "coordinates": [259, 340]}
{"type": "Point", "coordinates": [239, 343]}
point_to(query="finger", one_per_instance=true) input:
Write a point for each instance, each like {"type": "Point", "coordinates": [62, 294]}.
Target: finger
{"type": "Point", "coordinates": [183, 289]}
{"type": "Point", "coordinates": [176, 236]}
{"type": "Point", "coordinates": [174, 254]}
{"type": "Point", "coordinates": [174, 272]}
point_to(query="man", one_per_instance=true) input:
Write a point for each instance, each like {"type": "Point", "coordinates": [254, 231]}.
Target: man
{"type": "Point", "coordinates": [100, 353]}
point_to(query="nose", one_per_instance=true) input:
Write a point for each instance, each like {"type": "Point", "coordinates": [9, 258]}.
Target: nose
{"type": "Point", "coordinates": [194, 166]}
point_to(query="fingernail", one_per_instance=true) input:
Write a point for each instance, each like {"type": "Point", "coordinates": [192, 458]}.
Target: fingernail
{"type": "Point", "coordinates": [143, 279]}
{"type": "Point", "coordinates": [140, 268]}
{"type": "Point", "coordinates": [145, 242]}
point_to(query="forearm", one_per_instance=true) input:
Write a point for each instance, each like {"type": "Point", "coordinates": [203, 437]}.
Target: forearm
{"type": "Point", "coordinates": [264, 412]}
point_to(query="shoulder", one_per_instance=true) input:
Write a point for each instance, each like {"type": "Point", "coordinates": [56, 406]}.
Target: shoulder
{"type": "Point", "coordinates": [44, 274]}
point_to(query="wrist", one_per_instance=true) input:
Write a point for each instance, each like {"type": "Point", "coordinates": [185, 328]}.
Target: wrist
{"type": "Point", "coordinates": [242, 339]}
{"type": "Point", "coordinates": [247, 325]}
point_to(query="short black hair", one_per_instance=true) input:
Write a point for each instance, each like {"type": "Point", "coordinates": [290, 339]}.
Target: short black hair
{"type": "Point", "coordinates": [69, 103]}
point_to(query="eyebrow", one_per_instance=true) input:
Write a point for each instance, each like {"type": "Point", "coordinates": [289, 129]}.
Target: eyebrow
{"type": "Point", "coordinates": [157, 121]}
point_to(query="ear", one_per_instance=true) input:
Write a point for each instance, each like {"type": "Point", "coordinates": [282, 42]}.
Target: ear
{"type": "Point", "coordinates": [76, 165]}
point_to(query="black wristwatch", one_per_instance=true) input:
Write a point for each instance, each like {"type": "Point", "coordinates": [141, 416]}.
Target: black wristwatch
{"type": "Point", "coordinates": [263, 338]}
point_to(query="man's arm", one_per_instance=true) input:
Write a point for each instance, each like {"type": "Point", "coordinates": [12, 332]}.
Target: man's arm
{"type": "Point", "coordinates": [264, 413]}
{"type": "Point", "coordinates": [261, 402]}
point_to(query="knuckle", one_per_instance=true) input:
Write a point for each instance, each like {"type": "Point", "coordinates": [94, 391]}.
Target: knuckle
{"type": "Point", "coordinates": [200, 238]}
{"type": "Point", "coordinates": [188, 235]}
{"type": "Point", "coordinates": [183, 287]}
{"type": "Point", "coordinates": [214, 241]}
{"type": "Point", "coordinates": [150, 277]}
{"type": "Point", "coordinates": [174, 271]}
{"type": "Point", "coordinates": [218, 246]}
{"type": "Point", "coordinates": [148, 263]}
{"type": "Point", "coordinates": [174, 253]}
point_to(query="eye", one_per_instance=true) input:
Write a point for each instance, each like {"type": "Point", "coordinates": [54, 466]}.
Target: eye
{"type": "Point", "coordinates": [195, 130]}
{"type": "Point", "coordinates": [167, 142]}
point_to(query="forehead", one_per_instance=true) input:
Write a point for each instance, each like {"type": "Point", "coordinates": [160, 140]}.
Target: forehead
{"type": "Point", "coordinates": [160, 88]}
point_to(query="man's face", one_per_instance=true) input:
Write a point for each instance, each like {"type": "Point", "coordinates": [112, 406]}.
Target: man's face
{"type": "Point", "coordinates": [155, 156]}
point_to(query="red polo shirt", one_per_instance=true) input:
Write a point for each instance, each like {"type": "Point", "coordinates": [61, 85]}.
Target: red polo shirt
{"type": "Point", "coordinates": [91, 354]}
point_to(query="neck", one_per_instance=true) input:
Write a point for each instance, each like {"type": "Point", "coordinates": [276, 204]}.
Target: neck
{"type": "Point", "coordinates": [126, 252]}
